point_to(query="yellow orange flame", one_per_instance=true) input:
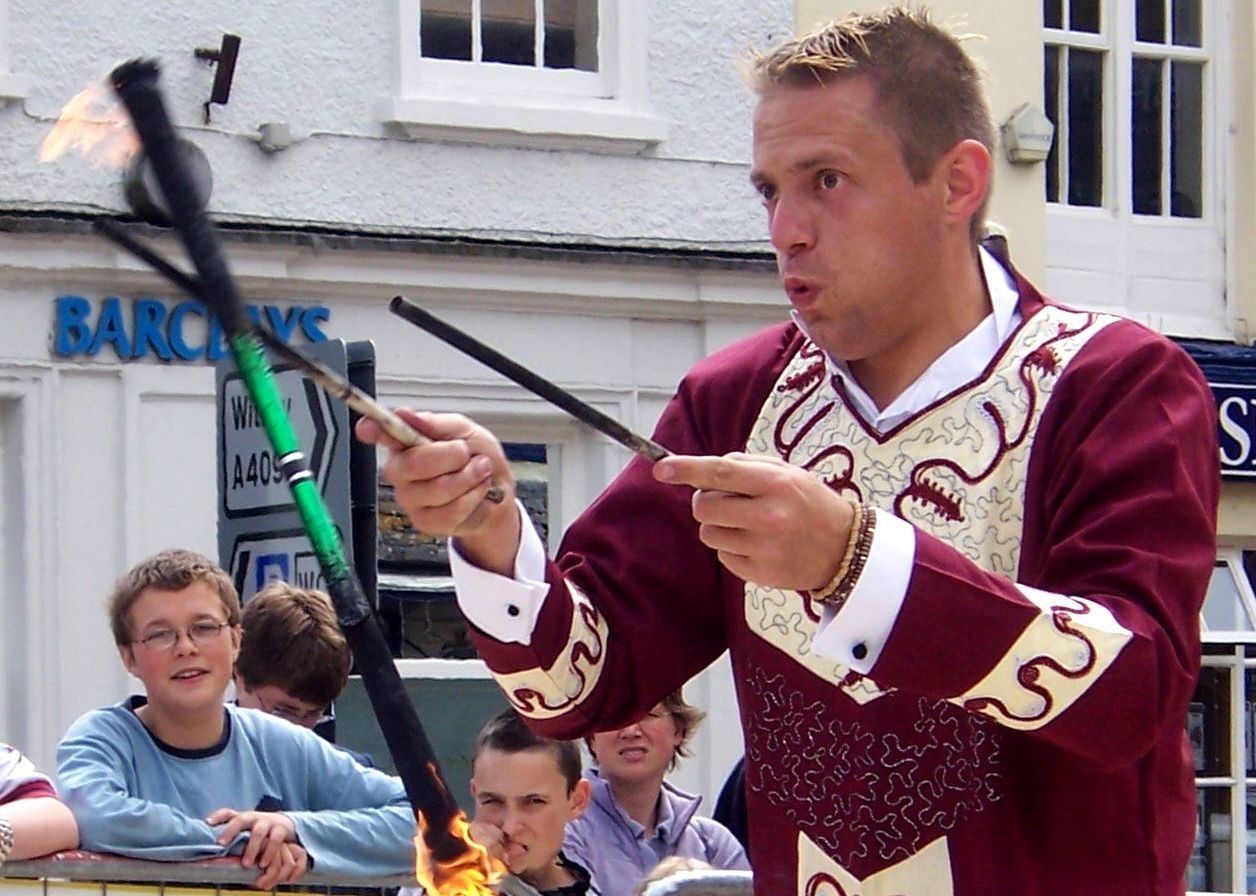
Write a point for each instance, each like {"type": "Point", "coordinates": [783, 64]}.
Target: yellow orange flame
{"type": "Point", "coordinates": [471, 874]}
{"type": "Point", "coordinates": [96, 124]}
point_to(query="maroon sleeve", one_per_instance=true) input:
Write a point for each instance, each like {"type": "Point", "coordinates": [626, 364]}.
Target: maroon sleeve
{"type": "Point", "coordinates": [1120, 517]}
{"type": "Point", "coordinates": [658, 591]}
{"type": "Point", "coordinates": [30, 789]}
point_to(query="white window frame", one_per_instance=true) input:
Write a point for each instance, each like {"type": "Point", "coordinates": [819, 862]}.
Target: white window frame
{"type": "Point", "coordinates": [607, 110]}
{"type": "Point", "coordinates": [1167, 272]}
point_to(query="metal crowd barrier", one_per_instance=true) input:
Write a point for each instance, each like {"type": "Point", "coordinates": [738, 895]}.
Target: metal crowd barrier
{"type": "Point", "coordinates": [80, 873]}
{"type": "Point", "coordinates": [703, 883]}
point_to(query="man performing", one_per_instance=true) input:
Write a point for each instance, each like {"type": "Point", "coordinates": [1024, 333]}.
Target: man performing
{"type": "Point", "coordinates": [954, 536]}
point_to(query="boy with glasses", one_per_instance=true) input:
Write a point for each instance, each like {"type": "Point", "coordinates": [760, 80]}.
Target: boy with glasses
{"type": "Point", "coordinates": [294, 659]}
{"type": "Point", "coordinates": [179, 776]}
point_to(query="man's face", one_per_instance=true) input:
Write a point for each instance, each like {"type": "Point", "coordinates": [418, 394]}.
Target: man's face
{"type": "Point", "coordinates": [192, 675]}
{"type": "Point", "coordinates": [640, 752]}
{"type": "Point", "coordinates": [857, 242]}
{"type": "Point", "coordinates": [525, 795]}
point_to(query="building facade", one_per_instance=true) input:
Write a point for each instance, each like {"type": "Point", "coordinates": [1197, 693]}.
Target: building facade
{"type": "Point", "coordinates": [567, 179]}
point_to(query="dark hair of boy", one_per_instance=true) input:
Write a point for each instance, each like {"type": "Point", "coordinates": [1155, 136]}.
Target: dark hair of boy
{"type": "Point", "coordinates": [507, 733]}
{"type": "Point", "coordinates": [293, 642]}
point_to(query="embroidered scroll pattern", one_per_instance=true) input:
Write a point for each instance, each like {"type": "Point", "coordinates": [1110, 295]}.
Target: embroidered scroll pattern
{"type": "Point", "coordinates": [956, 471]}
{"type": "Point", "coordinates": [868, 797]}
{"type": "Point", "coordinates": [927, 873]}
{"type": "Point", "coordinates": [545, 693]}
{"type": "Point", "coordinates": [1056, 658]}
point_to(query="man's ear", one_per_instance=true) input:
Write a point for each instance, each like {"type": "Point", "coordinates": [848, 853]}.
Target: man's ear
{"type": "Point", "coordinates": [579, 800]}
{"type": "Point", "coordinates": [967, 169]}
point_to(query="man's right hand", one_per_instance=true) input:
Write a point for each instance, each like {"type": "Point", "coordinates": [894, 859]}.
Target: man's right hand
{"type": "Point", "coordinates": [442, 485]}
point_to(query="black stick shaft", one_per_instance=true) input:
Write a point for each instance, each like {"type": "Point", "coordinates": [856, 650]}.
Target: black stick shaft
{"type": "Point", "coordinates": [534, 383]}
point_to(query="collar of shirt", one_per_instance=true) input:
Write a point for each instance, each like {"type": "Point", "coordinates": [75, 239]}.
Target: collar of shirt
{"type": "Point", "coordinates": [961, 363]}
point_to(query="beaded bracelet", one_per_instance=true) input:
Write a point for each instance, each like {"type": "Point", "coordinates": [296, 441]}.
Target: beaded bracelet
{"type": "Point", "coordinates": [859, 545]}
{"type": "Point", "coordinates": [6, 839]}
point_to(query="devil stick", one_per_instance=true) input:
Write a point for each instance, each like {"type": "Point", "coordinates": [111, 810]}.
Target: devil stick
{"type": "Point", "coordinates": [538, 385]}
{"type": "Point", "coordinates": [135, 82]}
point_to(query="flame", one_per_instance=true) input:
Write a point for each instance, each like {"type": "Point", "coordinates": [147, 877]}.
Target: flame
{"type": "Point", "coordinates": [96, 124]}
{"type": "Point", "coordinates": [471, 874]}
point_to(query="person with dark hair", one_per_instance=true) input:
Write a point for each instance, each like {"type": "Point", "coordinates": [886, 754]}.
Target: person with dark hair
{"type": "Point", "coordinates": [955, 537]}
{"type": "Point", "coordinates": [636, 818]}
{"type": "Point", "coordinates": [33, 820]}
{"type": "Point", "coordinates": [527, 788]}
{"type": "Point", "coordinates": [294, 659]}
{"type": "Point", "coordinates": [177, 775]}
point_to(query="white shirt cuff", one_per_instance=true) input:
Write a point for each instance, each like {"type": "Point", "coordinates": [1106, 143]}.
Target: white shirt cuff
{"type": "Point", "coordinates": [856, 635]}
{"type": "Point", "coordinates": [504, 608]}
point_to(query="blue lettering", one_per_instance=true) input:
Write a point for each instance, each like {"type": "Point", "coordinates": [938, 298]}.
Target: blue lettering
{"type": "Point", "coordinates": [310, 318]}
{"type": "Point", "coordinates": [181, 348]}
{"type": "Point", "coordinates": [74, 334]}
{"type": "Point", "coordinates": [111, 327]}
{"type": "Point", "coordinates": [150, 314]}
{"type": "Point", "coordinates": [214, 349]}
{"type": "Point", "coordinates": [283, 325]}
{"type": "Point", "coordinates": [162, 328]}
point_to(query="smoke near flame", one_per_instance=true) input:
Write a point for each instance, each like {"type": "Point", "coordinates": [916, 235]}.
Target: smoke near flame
{"type": "Point", "coordinates": [94, 123]}
{"type": "Point", "coordinates": [471, 874]}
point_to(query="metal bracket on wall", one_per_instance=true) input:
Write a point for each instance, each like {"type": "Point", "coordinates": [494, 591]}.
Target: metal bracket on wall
{"type": "Point", "coordinates": [225, 59]}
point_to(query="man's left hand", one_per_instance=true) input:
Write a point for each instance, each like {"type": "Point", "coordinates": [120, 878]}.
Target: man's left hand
{"type": "Point", "coordinates": [769, 522]}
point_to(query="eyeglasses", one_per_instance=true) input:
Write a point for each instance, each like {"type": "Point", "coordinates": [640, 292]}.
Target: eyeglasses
{"type": "Point", "coordinates": [198, 633]}
{"type": "Point", "coordinates": [306, 718]}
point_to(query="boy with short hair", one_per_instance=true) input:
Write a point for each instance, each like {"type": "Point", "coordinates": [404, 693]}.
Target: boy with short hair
{"type": "Point", "coordinates": [526, 788]}
{"type": "Point", "coordinates": [294, 659]}
{"type": "Point", "coordinates": [178, 775]}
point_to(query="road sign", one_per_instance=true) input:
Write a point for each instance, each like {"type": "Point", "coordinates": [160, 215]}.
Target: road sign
{"type": "Point", "coordinates": [260, 536]}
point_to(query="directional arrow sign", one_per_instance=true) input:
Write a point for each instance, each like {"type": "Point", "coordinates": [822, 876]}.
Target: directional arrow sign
{"type": "Point", "coordinates": [252, 482]}
{"type": "Point", "coordinates": [259, 531]}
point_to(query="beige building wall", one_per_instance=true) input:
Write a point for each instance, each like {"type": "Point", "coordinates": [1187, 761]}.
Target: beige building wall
{"type": "Point", "coordinates": [1008, 44]}
{"type": "Point", "coordinates": [1241, 210]}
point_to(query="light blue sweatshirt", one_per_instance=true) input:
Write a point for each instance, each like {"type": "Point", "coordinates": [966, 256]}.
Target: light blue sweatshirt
{"type": "Point", "coordinates": [134, 795]}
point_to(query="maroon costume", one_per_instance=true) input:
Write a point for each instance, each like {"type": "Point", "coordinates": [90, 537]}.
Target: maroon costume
{"type": "Point", "coordinates": [1022, 730]}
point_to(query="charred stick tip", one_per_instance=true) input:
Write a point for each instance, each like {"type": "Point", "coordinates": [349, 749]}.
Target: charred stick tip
{"type": "Point", "coordinates": [134, 71]}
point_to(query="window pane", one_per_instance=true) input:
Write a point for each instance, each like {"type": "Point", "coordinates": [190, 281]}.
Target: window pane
{"type": "Point", "coordinates": [417, 609]}
{"type": "Point", "coordinates": [571, 34]}
{"type": "Point", "coordinates": [1223, 607]}
{"type": "Point", "coordinates": [1209, 869]}
{"type": "Point", "coordinates": [1146, 137]}
{"type": "Point", "coordinates": [445, 29]}
{"type": "Point", "coordinates": [1051, 13]}
{"type": "Point", "coordinates": [1085, 127]}
{"type": "Point", "coordinates": [1149, 20]}
{"type": "Point", "coordinates": [1208, 722]}
{"type": "Point", "coordinates": [1187, 27]}
{"type": "Point", "coordinates": [508, 31]}
{"type": "Point", "coordinates": [1083, 15]}
{"type": "Point", "coordinates": [1051, 91]}
{"type": "Point", "coordinates": [1186, 127]}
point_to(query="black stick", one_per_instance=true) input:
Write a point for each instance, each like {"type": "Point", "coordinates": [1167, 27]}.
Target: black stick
{"type": "Point", "coordinates": [135, 83]}
{"type": "Point", "coordinates": [534, 383]}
